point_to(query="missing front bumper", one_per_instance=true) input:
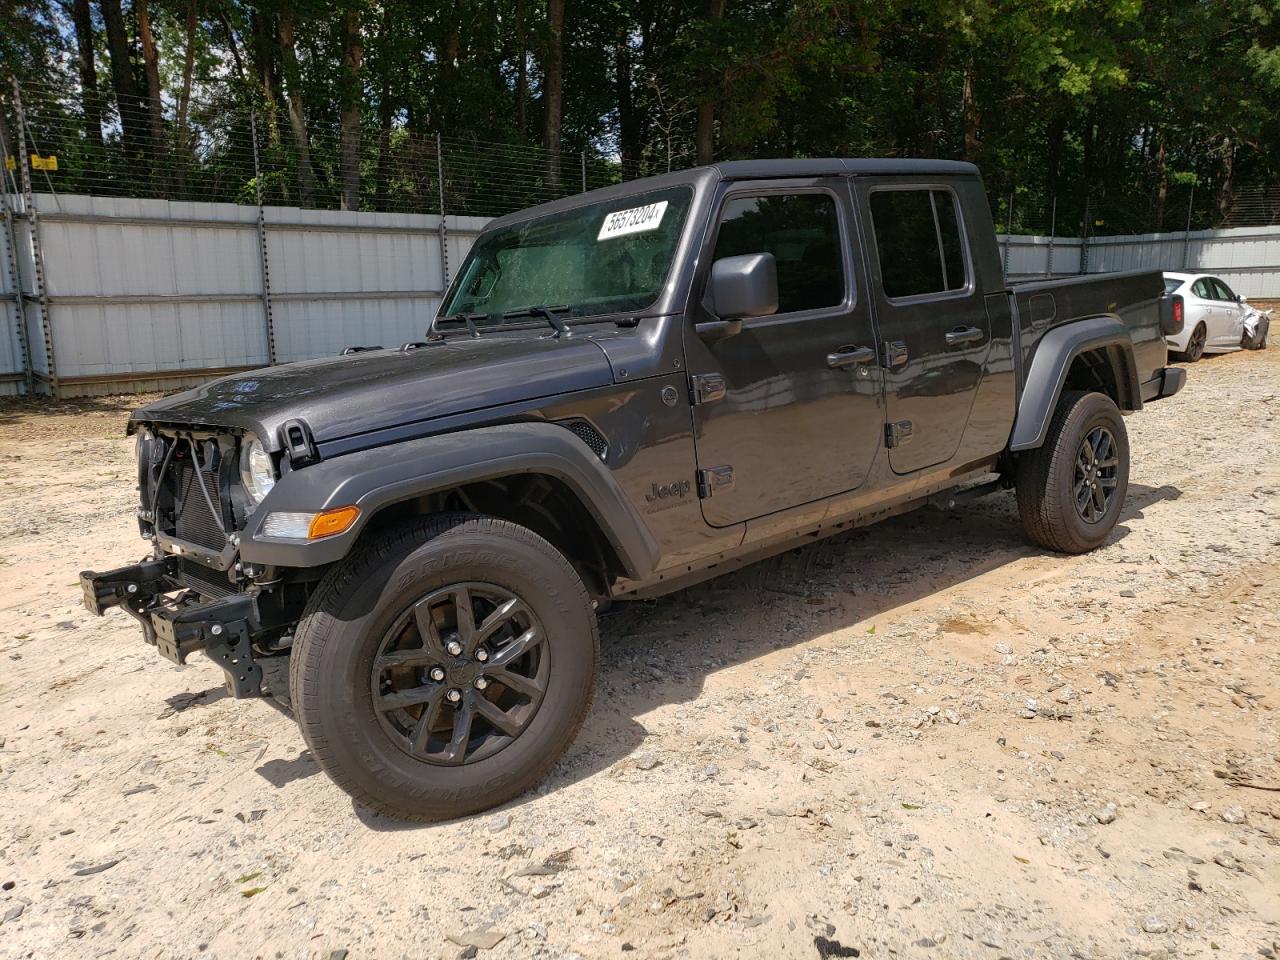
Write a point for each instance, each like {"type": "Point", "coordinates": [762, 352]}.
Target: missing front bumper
{"type": "Point", "coordinates": [180, 625]}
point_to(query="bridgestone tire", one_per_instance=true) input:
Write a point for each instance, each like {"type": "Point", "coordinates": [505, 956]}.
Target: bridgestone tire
{"type": "Point", "coordinates": [1046, 477]}
{"type": "Point", "coordinates": [358, 602]}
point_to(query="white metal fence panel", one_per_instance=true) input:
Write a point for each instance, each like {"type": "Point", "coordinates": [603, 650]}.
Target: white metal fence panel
{"type": "Point", "coordinates": [12, 363]}
{"type": "Point", "coordinates": [1248, 258]}
{"type": "Point", "coordinates": [152, 294]}
{"type": "Point", "coordinates": [146, 289]}
{"type": "Point", "coordinates": [1031, 257]}
{"type": "Point", "coordinates": [339, 279]}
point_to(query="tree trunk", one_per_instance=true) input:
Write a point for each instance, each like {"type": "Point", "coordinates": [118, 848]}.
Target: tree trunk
{"type": "Point", "coordinates": [522, 70]}
{"type": "Point", "coordinates": [83, 19]}
{"type": "Point", "coordinates": [385, 113]}
{"type": "Point", "coordinates": [969, 111]}
{"type": "Point", "coordinates": [236, 61]}
{"type": "Point", "coordinates": [297, 118]}
{"type": "Point", "coordinates": [628, 128]}
{"type": "Point", "coordinates": [1162, 175]}
{"type": "Point", "coordinates": [122, 81]}
{"type": "Point", "coordinates": [188, 69]}
{"type": "Point", "coordinates": [349, 141]}
{"type": "Point", "coordinates": [553, 90]}
{"type": "Point", "coordinates": [1053, 168]}
{"type": "Point", "coordinates": [706, 133]}
{"type": "Point", "coordinates": [1227, 188]}
{"type": "Point", "coordinates": [151, 67]}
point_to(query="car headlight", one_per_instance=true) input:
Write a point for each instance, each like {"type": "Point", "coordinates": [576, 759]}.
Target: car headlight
{"type": "Point", "coordinates": [257, 473]}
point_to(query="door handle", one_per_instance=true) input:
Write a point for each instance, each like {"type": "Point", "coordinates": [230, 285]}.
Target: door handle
{"type": "Point", "coordinates": [961, 336]}
{"type": "Point", "coordinates": [850, 356]}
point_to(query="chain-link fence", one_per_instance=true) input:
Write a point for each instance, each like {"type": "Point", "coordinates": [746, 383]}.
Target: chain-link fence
{"type": "Point", "coordinates": [222, 149]}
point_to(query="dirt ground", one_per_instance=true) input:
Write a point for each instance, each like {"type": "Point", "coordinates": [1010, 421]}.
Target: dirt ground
{"type": "Point", "coordinates": [924, 739]}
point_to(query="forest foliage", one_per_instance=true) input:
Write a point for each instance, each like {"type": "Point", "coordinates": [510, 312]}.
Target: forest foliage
{"type": "Point", "coordinates": [1093, 111]}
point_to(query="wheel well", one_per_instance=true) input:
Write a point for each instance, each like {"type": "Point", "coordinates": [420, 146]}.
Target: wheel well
{"type": "Point", "coordinates": [1101, 370]}
{"type": "Point", "coordinates": [541, 503]}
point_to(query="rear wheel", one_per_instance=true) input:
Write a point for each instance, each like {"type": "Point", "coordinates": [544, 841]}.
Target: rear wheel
{"type": "Point", "coordinates": [1195, 344]}
{"type": "Point", "coordinates": [1071, 490]}
{"type": "Point", "coordinates": [445, 666]}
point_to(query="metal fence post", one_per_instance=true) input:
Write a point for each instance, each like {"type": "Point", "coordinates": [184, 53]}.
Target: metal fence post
{"type": "Point", "coordinates": [444, 231]}
{"type": "Point", "coordinates": [1008, 233]}
{"type": "Point", "coordinates": [1084, 237]}
{"type": "Point", "coordinates": [1186, 234]}
{"type": "Point", "coordinates": [39, 277]}
{"type": "Point", "coordinates": [263, 260]}
{"type": "Point", "coordinates": [1053, 226]}
{"type": "Point", "coordinates": [11, 262]}
{"type": "Point", "coordinates": [584, 171]}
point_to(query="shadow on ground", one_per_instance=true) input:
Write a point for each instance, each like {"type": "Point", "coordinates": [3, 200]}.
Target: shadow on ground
{"type": "Point", "coordinates": [659, 652]}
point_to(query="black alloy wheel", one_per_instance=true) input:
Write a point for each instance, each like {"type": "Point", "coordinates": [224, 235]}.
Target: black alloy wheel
{"type": "Point", "coordinates": [460, 674]}
{"type": "Point", "coordinates": [1195, 345]}
{"type": "Point", "coordinates": [445, 665]}
{"type": "Point", "coordinates": [1097, 464]}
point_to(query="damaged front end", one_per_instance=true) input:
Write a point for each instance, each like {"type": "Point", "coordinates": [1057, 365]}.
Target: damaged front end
{"type": "Point", "coordinates": [194, 593]}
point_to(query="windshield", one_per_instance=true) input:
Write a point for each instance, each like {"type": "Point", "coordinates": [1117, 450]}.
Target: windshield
{"type": "Point", "coordinates": [1171, 284]}
{"type": "Point", "coordinates": [607, 257]}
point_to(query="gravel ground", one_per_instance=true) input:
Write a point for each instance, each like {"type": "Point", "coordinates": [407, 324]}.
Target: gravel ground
{"type": "Point", "coordinates": [924, 739]}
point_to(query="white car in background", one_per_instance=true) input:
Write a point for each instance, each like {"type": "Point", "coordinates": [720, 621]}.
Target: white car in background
{"type": "Point", "coordinates": [1215, 319]}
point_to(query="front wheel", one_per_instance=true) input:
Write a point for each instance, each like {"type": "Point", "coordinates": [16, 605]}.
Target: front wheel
{"type": "Point", "coordinates": [1071, 490]}
{"type": "Point", "coordinates": [445, 666]}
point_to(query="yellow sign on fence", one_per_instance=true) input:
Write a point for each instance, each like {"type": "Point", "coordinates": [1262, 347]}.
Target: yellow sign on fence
{"type": "Point", "coordinates": [37, 162]}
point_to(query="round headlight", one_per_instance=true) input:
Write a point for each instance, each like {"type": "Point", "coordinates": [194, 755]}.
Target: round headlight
{"type": "Point", "coordinates": [256, 470]}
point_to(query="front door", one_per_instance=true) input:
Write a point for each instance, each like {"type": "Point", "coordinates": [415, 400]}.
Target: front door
{"type": "Point", "coordinates": [787, 411]}
{"type": "Point", "coordinates": [930, 313]}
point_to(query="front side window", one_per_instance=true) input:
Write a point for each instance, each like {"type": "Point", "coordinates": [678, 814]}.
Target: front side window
{"type": "Point", "coordinates": [802, 231]}
{"type": "Point", "coordinates": [606, 257]}
{"type": "Point", "coordinates": [919, 242]}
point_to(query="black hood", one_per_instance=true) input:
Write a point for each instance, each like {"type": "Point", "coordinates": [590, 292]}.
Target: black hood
{"type": "Point", "coordinates": [340, 396]}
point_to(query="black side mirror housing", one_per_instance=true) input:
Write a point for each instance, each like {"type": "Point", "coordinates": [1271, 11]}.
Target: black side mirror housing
{"type": "Point", "coordinates": [744, 286]}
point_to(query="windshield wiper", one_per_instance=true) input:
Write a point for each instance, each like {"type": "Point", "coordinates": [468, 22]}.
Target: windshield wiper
{"type": "Point", "coordinates": [548, 314]}
{"type": "Point", "coordinates": [468, 318]}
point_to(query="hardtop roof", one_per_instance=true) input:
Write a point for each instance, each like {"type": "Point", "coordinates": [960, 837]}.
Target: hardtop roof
{"type": "Point", "coordinates": [749, 170]}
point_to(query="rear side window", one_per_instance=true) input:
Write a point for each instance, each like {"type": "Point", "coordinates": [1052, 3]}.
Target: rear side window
{"type": "Point", "coordinates": [1171, 284]}
{"type": "Point", "coordinates": [920, 245]}
{"type": "Point", "coordinates": [1202, 290]}
{"type": "Point", "coordinates": [802, 231]}
{"type": "Point", "coordinates": [1223, 291]}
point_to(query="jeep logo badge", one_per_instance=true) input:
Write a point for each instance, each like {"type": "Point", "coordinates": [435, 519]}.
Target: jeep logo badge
{"type": "Point", "coordinates": [665, 491]}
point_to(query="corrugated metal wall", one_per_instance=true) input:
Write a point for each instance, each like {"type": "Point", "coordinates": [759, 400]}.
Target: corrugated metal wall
{"type": "Point", "coordinates": [152, 294]}
{"type": "Point", "coordinates": [1248, 258]}
{"type": "Point", "coordinates": [12, 366]}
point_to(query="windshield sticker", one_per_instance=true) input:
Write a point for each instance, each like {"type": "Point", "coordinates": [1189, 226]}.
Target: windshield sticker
{"type": "Point", "coordinates": [636, 220]}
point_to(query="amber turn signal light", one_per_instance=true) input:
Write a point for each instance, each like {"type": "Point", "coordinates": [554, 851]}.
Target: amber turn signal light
{"type": "Point", "coordinates": [332, 522]}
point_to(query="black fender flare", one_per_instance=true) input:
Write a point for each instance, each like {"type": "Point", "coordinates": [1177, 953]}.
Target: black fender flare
{"type": "Point", "coordinates": [380, 476]}
{"type": "Point", "coordinates": [1048, 371]}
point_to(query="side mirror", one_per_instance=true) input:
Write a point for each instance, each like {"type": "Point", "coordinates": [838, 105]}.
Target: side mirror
{"type": "Point", "coordinates": [744, 286]}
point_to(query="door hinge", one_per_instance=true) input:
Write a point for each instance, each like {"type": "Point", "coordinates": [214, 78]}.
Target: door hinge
{"type": "Point", "coordinates": [706, 388]}
{"type": "Point", "coordinates": [896, 434]}
{"type": "Point", "coordinates": [717, 478]}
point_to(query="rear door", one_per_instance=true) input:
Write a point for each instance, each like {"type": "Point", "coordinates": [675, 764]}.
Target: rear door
{"type": "Point", "coordinates": [930, 314]}
{"type": "Point", "coordinates": [1204, 309]}
{"type": "Point", "coordinates": [787, 411]}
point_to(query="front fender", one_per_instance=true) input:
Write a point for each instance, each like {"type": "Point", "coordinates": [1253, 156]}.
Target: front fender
{"type": "Point", "coordinates": [1048, 372]}
{"type": "Point", "coordinates": [380, 476]}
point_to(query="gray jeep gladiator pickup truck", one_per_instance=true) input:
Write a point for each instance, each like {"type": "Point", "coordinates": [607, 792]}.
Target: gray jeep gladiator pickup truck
{"type": "Point", "coordinates": [624, 392]}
